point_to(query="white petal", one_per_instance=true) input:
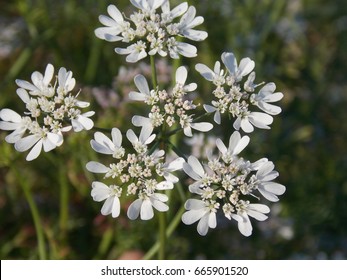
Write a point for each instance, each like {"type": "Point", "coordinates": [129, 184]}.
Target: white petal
{"type": "Point", "coordinates": [265, 169]}
{"type": "Point", "coordinates": [26, 143]}
{"type": "Point", "coordinates": [26, 85]}
{"type": "Point", "coordinates": [234, 140]}
{"type": "Point", "coordinates": [86, 123]}
{"type": "Point", "coordinates": [141, 84]}
{"type": "Point", "coordinates": [82, 104]}
{"type": "Point", "coordinates": [99, 148]}
{"type": "Point", "coordinates": [23, 94]}
{"type": "Point", "coordinates": [259, 207]}
{"type": "Point", "coordinates": [190, 217]}
{"type": "Point", "coordinates": [230, 62]}
{"type": "Point", "coordinates": [268, 195]}
{"type": "Point", "coordinates": [176, 164]}
{"type": "Point", "coordinates": [194, 204]}
{"type": "Point", "coordinates": [206, 72]}
{"type": "Point", "coordinates": [100, 191]}
{"type": "Point", "coordinates": [165, 185]}
{"type": "Point", "coordinates": [115, 13]}
{"type": "Point", "coordinates": [195, 35]}
{"type": "Point", "coordinates": [9, 115]}
{"type": "Point", "coordinates": [196, 165]}
{"type": "Point", "coordinates": [96, 167]}
{"type": "Point", "coordinates": [210, 109]}
{"type": "Point", "coordinates": [115, 207]}
{"type": "Point", "coordinates": [35, 151]}
{"type": "Point", "coordinates": [134, 209]}
{"type": "Point", "coordinates": [160, 206]}
{"type": "Point", "coordinates": [146, 210]}
{"type": "Point", "coordinates": [191, 87]}
{"type": "Point", "coordinates": [273, 187]}
{"type": "Point", "coordinates": [190, 172]}
{"type": "Point", "coordinates": [188, 131]}
{"type": "Point", "coordinates": [256, 215]}
{"type": "Point", "coordinates": [132, 136]}
{"type": "Point", "coordinates": [246, 66]}
{"type": "Point", "coordinates": [103, 140]}
{"type": "Point", "coordinates": [49, 72]}
{"type": "Point", "coordinates": [202, 126]}
{"type": "Point", "coordinates": [9, 125]}
{"type": "Point", "coordinates": [145, 133]}
{"type": "Point", "coordinates": [241, 145]}
{"type": "Point", "coordinates": [212, 220]}
{"type": "Point", "coordinates": [221, 147]}
{"type": "Point", "coordinates": [15, 135]}
{"type": "Point", "coordinates": [140, 121]}
{"type": "Point", "coordinates": [123, 51]}
{"type": "Point", "coordinates": [269, 108]}
{"type": "Point", "coordinates": [37, 78]}
{"type": "Point", "coordinates": [261, 118]}
{"type": "Point", "coordinates": [181, 75]}
{"type": "Point", "coordinates": [245, 227]}
{"type": "Point", "coordinates": [117, 137]}
{"type": "Point", "coordinates": [269, 88]}
{"type": "Point", "coordinates": [203, 225]}
{"type": "Point", "coordinates": [107, 207]}
{"type": "Point", "coordinates": [48, 145]}
{"type": "Point", "coordinates": [246, 126]}
{"type": "Point", "coordinates": [137, 96]}
{"type": "Point", "coordinates": [186, 50]}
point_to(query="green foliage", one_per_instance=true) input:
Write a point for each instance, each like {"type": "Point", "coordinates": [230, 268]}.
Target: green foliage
{"type": "Point", "coordinates": [299, 45]}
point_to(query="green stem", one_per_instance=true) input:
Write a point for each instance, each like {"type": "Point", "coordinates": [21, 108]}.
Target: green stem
{"type": "Point", "coordinates": [154, 72]}
{"type": "Point", "coordinates": [64, 203]}
{"type": "Point", "coordinates": [34, 213]}
{"type": "Point", "coordinates": [162, 236]}
{"type": "Point", "coordinates": [170, 229]}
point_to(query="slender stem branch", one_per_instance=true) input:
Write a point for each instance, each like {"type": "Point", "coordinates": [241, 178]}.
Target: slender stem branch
{"type": "Point", "coordinates": [169, 231]}
{"type": "Point", "coordinates": [34, 213]}
{"type": "Point", "coordinates": [162, 236]}
{"type": "Point", "coordinates": [154, 72]}
{"type": "Point", "coordinates": [64, 203]}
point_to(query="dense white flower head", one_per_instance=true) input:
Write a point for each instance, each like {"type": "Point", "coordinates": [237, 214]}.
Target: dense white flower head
{"type": "Point", "coordinates": [227, 183]}
{"type": "Point", "coordinates": [152, 32]}
{"type": "Point", "coordinates": [51, 109]}
{"type": "Point", "coordinates": [142, 173]}
{"type": "Point", "coordinates": [234, 94]}
{"type": "Point", "coordinates": [168, 107]}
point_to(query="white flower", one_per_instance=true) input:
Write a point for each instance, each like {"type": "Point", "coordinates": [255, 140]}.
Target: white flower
{"type": "Point", "coordinates": [216, 111]}
{"type": "Point", "coordinates": [40, 83]}
{"type": "Point", "coordinates": [257, 211]}
{"type": "Point", "coordinates": [177, 48]}
{"type": "Point", "coordinates": [134, 52]}
{"type": "Point", "coordinates": [143, 206]}
{"type": "Point", "coordinates": [202, 211]}
{"type": "Point", "coordinates": [13, 121]}
{"type": "Point", "coordinates": [236, 145]}
{"type": "Point", "coordinates": [148, 96]}
{"type": "Point", "coordinates": [65, 82]}
{"type": "Point", "coordinates": [216, 75]}
{"type": "Point", "coordinates": [188, 22]}
{"type": "Point", "coordinates": [145, 138]}
{"type": "Point", "coordinates": [110, 194]}
{"type": "Point", "coordinates": [114, 25]}
{"type": "Point", "coordinates": [250, 119]}
{"type": "Point", "coordinates": [41, 139]}
{"type": "Point", "coordinates": [82, 121]}
{"type": "Point", "coordinates": [166, 169]}
{"type": "Point", "coordinates": [195, 170]}
{"type": "Point", "coordinates": [181, 77]}
{"type": "Point", "coordinates": [265, 96]}
{"type": "Point", "coordinates": [264, 175]}
{"type": "Point", "coordinates": [148, 6]}
{"type": "Point", "coordinates": [245, 67]}
{"type": "Point", "coordinates": [187, 125]}
{"type": "Point", "coordinates": [102, 144]}
{"type": "Point", "coordinates": [169, 15]}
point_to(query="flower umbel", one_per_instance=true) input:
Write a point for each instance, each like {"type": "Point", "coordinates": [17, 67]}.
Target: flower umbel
{"type": "Point", "coordinates": [235, 95]}
{"type": "Point", "coordinates": [142, 173]}
{"type": "Point", "coordinates": [151, 32]}
{"type": "Point", "coordinates": [228, 183]}
{"type": "Point", "coordinates": [51, 110]}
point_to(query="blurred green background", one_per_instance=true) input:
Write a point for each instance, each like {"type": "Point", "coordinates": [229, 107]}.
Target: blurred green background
{"type": "Point", "coordinates": [299, 44]}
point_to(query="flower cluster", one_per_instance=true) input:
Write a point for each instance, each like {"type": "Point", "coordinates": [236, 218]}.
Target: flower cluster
{"type": "Point", "coordinates": [51, 110]}
{"type": "Point", "coordinates": [142, 173]}
{"type": "Point", "coordinates": [234, 94]}
{"type": "Point", "coordinates": [168, 107]}
{"type": "Point", "coordinates": [151, 32]}
{"type": "Point", "coordinates": [226, 183]}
